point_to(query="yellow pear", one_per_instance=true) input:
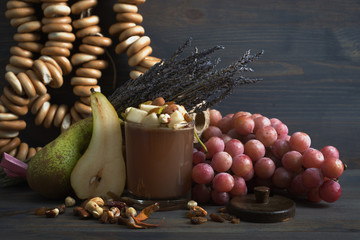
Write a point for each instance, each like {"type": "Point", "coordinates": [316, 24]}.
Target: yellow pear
{"type": "Point", "coordinates": [101, 169]}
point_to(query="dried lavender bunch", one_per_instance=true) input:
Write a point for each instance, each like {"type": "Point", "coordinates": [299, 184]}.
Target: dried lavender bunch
{"type": "Point", "coordinates": [193, 81]}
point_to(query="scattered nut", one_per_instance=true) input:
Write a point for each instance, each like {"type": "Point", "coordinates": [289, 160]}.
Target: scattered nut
{"type": "Point", "coordinates": [216, 218]}
{"type": "Point", "coordinates": [41, 211]}
{"type": "Point", "coordinates": [235, 220]}
{"type": "Point", "coordinates": [159, 101]}
{"type": "Point", "coordinates": [52, 213]}
{"type": "Point", "coordinates": [130, 212]}
{"type": "Point", "coordinates": [98, 200]}
{"type": "Point", "coordinates": [61, 208]}
{"type": "Point", "coordinates": [104, 217]}
{"type": "Point", "coordinates": [198, 220]}
{"type": "Point", "coordinates": [191, 204]}
{"type": "Point", "coordinates": [69, 201]}
{"type": "Point", "coordinates": [115, 211]}
{"type": "Point", "coordinates": [82, 213]}
{"type": "Point", "coordinates": [170, 109]}
{"type": "Point", "coordinates": [94, 208]}
{"type": "Point", "coordinates": [196, 211]}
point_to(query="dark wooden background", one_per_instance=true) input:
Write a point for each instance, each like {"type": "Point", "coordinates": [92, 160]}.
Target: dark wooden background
{"type": "Point", "coordinates": [310, 69]}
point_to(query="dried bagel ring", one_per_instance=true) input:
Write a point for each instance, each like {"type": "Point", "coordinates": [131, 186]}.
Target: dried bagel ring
{"type": "Point", "coordinates": [22, 152]}
{"type": "Point", "coordinates": [57, 20]}
{"type": "Point", "coordinates": [17, 4]}
{"type": "Point", "coordinates": [8, 117]}
{"type": "Point", "coordinates": [18, 110]}
{"type": "Point", "coordinates": [91, 49]}
{"type": "Point", "coordinates": [14, 82]}
{"type": "Point", "coordinates": [56, 27]}
{"type": "Point", "coordinates": [37, 83]}
{"type": "Point", "coordinates": [15, 98]}
{"type": "Point", "coordinates": [41, 114]}
{"type": "Point", "coordinates": [21, 62]}
{"type": "Point", "coordinates": [31, 26]}
{"type": "Point", "coordinates": [60, 115]}
{"type": "Point", "coordinates": [67, 45]}
{"type": "Point", "coordinates": [18, 51]}
{"type": "Point", "coordinates": [97, 41]}
{"type": "Point", "coordinates": [86, 22]}
{"type": "Point", "coordinates": [16, 22]}
{"type": "Point", "coordinates": [88, 73]}
{"type": "Point", "coordinates": [27, 85]}
{"type": "Point", "coordinates": [80, 6]}
{"type": "Point", "coordinates": [13, 125]}
{"type": "Point", "coordinates": [96, 64]}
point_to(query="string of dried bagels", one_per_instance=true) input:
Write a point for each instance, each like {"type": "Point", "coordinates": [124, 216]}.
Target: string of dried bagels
{"type": "Point", "coordinates": [34, 67]}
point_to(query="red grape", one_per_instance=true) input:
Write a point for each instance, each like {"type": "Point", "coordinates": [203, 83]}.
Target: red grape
{"type": "Point", "coordinates": [264, 168]}
{"type": "Point", "coordinates": [313, 195]}
{"type": "Point", "coordinates": [330, 152]}
{"type": "Point", "coordinates": [281, 129]}
{"type": "Point", "coordinates": [234, 147]}
{"type": "Point", "coordinates": [240, 113]}
{"type": "Point", "coordinates": [297, 187]}
{"type": "Point", "coordinates": [261, 122]}
{"type": "Point", "coordinates": [198, 157]}
{"type": "Point", "coordinates": [332, 168]}
{"type": "Point", "coordinates": [214, 145]}
{"type": "Point", "coordinates": [201, 193]}
{"type": "Point", "coordinates": [280, 147]}
{"type": "Point", "coordinates": [244, 125]}
{"type": "Point", "coordinates": [282, 178]}
{"type": "Point", "coordinates": [312, 178]}
{"type": "Point", "coordinates": [275, 121]}
{"type": "Point", "coordinates": [211, 131]}
{"type": "Point", "coordinates": [330, 191]}
{"type": "Point", "coordinates": [250, 175]}
{"type": "Point", "coordinates": [248, 137]}
{"type": "Point", "coordinates": [312, 158]}
{"type": "Point", "coordinates": [292, 161]}
{"type": "Point", "coordinates": [300, 141]}
{"type": "Point", "coordinates": [242, 165]}
{"type": "Point", "coordinates": [267, 135]}
{"type": "Point", "coordinates": [225, 138]}
{"type": "Point", "coordinates": [234, 134]}
{"type": "Point", "coordinates": [223, 182]}
{"type": "Point", "coordinates": [254, 149]}
{"type": "Point", "coordinates": [240, 188]}
{"type": "Point", "coordinates": [202, 173]}
{"type": "Point", "coordinates": [215, 117]}
{"type": "Point", "coordinates": [221, 161]}
{"type": "Point", "coordinates": [220, 198]}
{"type": "Point", "coordinates": [225, 124]}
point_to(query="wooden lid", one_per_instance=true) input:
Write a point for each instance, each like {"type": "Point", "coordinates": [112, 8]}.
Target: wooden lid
{"type": "Point", "coordinates": [261, 208]}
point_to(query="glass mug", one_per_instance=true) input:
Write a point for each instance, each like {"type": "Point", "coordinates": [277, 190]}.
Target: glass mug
{"type": "Point", "coordinates": [159, 163]}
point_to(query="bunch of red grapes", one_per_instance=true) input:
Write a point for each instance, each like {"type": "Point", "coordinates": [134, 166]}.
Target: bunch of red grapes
{"type": "Point", "coordinates": [246, 150]}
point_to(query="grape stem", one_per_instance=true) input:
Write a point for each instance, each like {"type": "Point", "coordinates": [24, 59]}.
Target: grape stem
{"type": "Point", "coordinates": [201, 143]}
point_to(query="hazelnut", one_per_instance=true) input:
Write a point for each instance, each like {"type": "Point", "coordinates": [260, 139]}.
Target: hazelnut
{"type": "Point", "coordinates": [159, 101]}
{"type": "Point", "coordinates": [69, 201]}
{"type": "Point", "coordinates": [191, 204]}
{"type": "Point", "coordinates": [170, 109]}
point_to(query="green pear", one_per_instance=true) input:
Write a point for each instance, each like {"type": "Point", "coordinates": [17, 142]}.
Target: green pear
{"type": "Point", "coordinates": [101, 170]}
{"type": "Point", "coordinates": [50, 169]}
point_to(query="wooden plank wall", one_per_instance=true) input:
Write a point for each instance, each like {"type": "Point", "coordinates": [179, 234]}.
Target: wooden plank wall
{"type": "Point", "coordinates": [310, 68]}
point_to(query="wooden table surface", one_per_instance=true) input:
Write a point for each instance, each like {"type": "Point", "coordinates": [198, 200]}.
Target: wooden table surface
{"type": "Point", "coordinates": [339, 220]}
{"type": "Point", "coordinates": [310, 68]}
{"type": "Point", "coordinates": [310, 72]}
